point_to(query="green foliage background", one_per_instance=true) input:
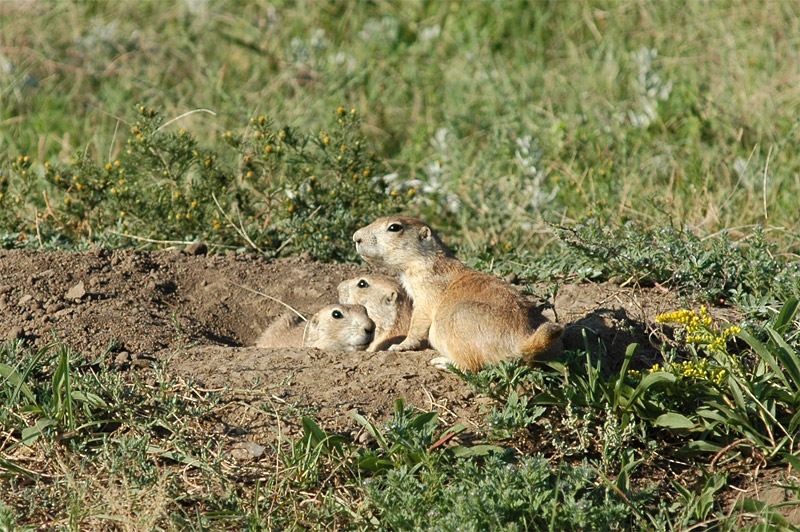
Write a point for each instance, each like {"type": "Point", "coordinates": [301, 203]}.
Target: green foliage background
{"type": "Point", "coordinates": [500, 116]}
{"type": "Point", "coordinates": [655, 141]}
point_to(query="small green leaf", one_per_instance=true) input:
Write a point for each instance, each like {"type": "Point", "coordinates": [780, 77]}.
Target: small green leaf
{"type": "Point", "coordinates": [31, 434]}
{"type": "Point", "coordinates": [174, 456]}
{"type": "Point", "coordinates": [648, 381]}
{"type": "Point", "coordinates": [699, 446]}
{"type": "Point", "coordinates": [12, 468]}
{"type": "Point", "coordinates": [763, 510]}
{"type": "Point", "coordinates": [15, 379]}
{"type": "Point", "coordinates": [784, 318]}
{"type": "Point", "coordinates": [312, 431]}
{"type": "Point", "coordinates": [673, 420]}
{"type": "Point", "coordinates": [374, 464]}
{"type": "Point", "coordinates": [372, 429]}
{"type": "Point", "coordinates": [461, 451]}
{"type": "Point", "coordinates": [792, 460]}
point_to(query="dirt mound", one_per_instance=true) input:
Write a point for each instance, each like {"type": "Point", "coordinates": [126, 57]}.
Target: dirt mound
{"type": "Point", "coordinates": [199, 313]}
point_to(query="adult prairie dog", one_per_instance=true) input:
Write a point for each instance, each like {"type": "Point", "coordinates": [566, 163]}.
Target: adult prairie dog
{"type": "Point", "coordinates": [387, 305]}
{"type": "Point", "coordinates": [471, 318]}
{"type": "Point", "coordinates": [332, 328]}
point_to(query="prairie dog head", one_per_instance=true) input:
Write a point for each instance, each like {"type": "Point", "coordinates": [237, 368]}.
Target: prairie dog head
{"type": "Point", "coordinates": [340, 328]}
{"type": "Point", "coordinates": [398, 242]}
{"type": "Point", "coordinates": [382, 296]}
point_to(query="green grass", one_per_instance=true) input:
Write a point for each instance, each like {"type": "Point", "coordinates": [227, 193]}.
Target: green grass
{"type": "Point", "coordinates": [501, 116]}
{"type": "Point", "coordinates": [649, 141]}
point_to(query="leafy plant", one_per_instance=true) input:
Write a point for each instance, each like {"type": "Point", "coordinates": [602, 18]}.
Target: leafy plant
{"type": "Point", "coordinates": [716, 269]}
{"type": "Point", "coordinates": [271, 189]}
{"type": "Point", "coordinates": [732, 398]}
{"type": "Point", "coordinates": [409, 441]}
{"type": "Point", "coordinates": [499, 493]}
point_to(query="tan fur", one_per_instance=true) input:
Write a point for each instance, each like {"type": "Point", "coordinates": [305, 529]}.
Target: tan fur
{"type": "Point", "coordinates": [353, 331]}
{"type": "Point", "coordinates": [387, 305]}
{"type": "Point", "coordinates": [471, 318]}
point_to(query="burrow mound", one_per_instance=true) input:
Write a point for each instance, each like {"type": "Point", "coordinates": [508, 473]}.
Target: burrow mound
{"type": "Point", "coordinates": [199, 313]}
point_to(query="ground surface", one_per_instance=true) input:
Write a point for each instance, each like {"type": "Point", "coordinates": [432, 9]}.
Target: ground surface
{"type": "Point", "coordinates": [198, 314]}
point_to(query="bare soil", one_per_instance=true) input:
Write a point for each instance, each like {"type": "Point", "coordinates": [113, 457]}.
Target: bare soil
{"type": "Point", "coordinates": [199, 314]}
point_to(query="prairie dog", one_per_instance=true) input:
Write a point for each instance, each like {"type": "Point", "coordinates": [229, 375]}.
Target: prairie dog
{"type": "Point", "coordinates": [471, 318]}
{"type": "Point", "coordinates": [332, 328]}
{"type": "Point", "coordinates": [387, 305]}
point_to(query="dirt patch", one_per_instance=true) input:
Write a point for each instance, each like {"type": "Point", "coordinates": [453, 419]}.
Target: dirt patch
{"type": "Point", "coordinates": [199, 313]}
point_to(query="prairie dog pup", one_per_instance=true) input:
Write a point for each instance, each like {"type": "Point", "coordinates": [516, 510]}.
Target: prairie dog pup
{"type": "Point", "coordinates": [387, 305]}
{"type": "Point", "coordinates": [332, 328]}
{"type": "Point", "coordinates": [471, 318]}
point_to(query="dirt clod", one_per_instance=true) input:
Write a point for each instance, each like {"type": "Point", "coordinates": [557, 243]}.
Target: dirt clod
{"type": "Point", "coordinates": [76, 292]}
{"type": "Point", "coordinates": [197, 248]}
{"type": "Point", "coordinates": [246, 450]}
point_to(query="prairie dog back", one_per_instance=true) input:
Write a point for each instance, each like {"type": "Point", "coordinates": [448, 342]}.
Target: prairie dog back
{"type": "Point", "coordinates": [471, 318]}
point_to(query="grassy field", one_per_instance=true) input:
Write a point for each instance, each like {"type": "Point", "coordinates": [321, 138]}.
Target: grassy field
{"type": "Point", "coordinates": [651, 141]}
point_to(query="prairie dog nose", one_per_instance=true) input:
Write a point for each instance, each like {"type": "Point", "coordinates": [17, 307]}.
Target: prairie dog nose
{"type": "Point", "coordinates": [357, 237]}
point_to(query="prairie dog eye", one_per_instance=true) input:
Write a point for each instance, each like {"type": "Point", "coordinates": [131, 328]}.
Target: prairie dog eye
{"type": "Point", "coordinates": [363, 283]}
{"type": "Point", "coordinates": [337, 315]}
{"type": "Point", "coordinates": [394, 228]}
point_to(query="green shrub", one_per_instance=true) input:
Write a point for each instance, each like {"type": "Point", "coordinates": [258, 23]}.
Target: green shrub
{"type": "Point", "coordinates": [275, 190]}
{"type": "Point", "coordinates": [747, 272]}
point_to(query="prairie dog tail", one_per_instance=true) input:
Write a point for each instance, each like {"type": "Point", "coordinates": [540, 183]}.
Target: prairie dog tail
{"type": "Point", "coordinates": [543, 337]}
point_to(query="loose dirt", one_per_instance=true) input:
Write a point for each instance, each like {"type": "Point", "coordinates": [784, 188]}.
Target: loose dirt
{"type": "Point", "coordinates": [199, 315]}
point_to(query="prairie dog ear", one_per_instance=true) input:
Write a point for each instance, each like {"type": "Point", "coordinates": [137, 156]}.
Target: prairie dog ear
{"type": "Point", "coordinates": [313, 324]}
{"type": "Point", "coordinates": [311, 330]}
{"type": "Point", "coordinates": [424, 233]}
{"type": "Point", "coordinates": [390, 298]}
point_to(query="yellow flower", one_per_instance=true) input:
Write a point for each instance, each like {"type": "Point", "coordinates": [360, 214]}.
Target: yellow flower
{"type": "Point", "coordinates": [682, 317]}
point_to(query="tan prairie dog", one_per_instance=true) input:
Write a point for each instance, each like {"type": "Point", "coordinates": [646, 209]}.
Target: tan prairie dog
{"type": "Point", "coordinates": [387, 305]}
{"type": "Point", "coordinates": [471, 318]}
{"type": "Point", "coordinates": [332, 328]}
